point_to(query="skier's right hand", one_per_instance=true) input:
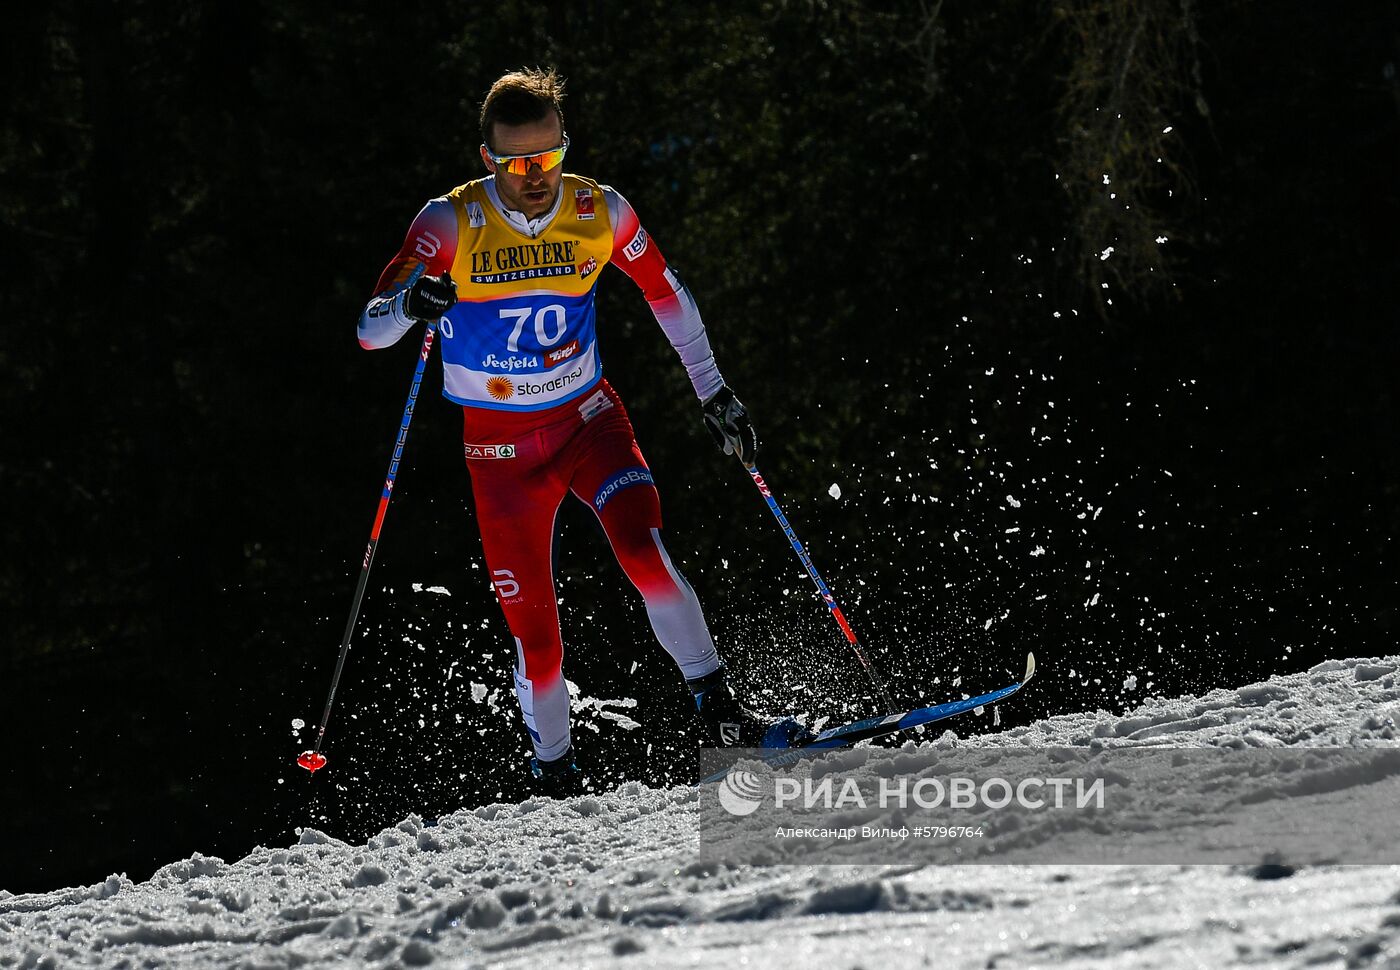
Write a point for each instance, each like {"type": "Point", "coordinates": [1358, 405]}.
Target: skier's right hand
{"type": "Point", "coordinates": [430, 297]}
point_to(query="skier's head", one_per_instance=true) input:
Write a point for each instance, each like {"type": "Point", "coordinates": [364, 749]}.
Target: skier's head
{"type": "Point", "coordinates": [523, 140]}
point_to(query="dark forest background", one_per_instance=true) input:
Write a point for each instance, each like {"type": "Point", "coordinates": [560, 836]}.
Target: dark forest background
{"type": "Point", "coordinates": [1085, 308]}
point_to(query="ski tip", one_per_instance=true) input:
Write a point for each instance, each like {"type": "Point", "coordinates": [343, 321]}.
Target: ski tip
{"type": "Point", "coordinates": [1030, 667]}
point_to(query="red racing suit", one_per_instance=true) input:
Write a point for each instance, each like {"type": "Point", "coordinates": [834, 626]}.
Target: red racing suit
{"type": "Point", "coordinates": [520, 354]}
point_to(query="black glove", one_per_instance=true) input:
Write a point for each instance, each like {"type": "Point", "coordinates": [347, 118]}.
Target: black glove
{"type": "Point", "coordinates": [728, 421]}
{"type": "Point", "coordinates": [430, 297]}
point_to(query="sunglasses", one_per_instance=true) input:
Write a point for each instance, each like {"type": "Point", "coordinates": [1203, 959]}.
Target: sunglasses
{"type": "Point", "coordinates": [521, 164]}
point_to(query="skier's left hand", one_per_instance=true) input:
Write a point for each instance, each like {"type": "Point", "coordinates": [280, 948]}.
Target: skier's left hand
{"type": "Point", "coordinates": [728, 421]}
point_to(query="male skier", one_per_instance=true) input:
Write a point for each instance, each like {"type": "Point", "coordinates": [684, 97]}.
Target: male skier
{"type": "Point", "coordinates": [508, 265]}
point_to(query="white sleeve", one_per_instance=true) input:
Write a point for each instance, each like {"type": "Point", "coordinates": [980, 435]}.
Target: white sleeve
{"type": "Point", "coordinates": [637, 255]}
{"type": "Point", "coordinates": [383, 322]}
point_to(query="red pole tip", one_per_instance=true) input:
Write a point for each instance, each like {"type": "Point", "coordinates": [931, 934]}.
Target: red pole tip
{"type": "Point", "coordinates": [311, 760]}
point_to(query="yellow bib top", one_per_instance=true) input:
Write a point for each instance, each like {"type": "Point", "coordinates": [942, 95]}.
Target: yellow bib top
{"type": "Point", "coordinates": [522, 335]}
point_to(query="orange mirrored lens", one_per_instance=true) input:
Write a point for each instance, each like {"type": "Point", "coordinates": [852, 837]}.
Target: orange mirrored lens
{"type": "Point", "coordinates": [521, 164]}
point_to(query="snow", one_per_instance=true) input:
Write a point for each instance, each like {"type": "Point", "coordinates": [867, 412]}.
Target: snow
{"type": "Point", "coordinates": [579, 704]}
{"type": "Point", "coordinates": [616, 879]}
{"type": "Point", "coordinates": [439, 590]}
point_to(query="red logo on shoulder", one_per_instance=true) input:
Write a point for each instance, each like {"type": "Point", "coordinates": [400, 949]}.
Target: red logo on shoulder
{"type": "Point", "coordinates": [583, 203]}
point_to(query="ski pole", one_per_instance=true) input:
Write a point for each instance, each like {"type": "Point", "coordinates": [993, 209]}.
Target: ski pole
{"type": "Point", "coordinates": [830, 600]}
{"type": "Point", "coordinates": [313, 758]}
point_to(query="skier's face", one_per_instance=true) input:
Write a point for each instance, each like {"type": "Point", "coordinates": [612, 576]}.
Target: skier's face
{"type": "Point", "coordinates": [532, 193]}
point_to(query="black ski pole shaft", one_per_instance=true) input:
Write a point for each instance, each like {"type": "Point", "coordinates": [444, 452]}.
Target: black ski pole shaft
{"type": "Point", "coordinates": [830, 600]}
{"type": "Point", "coordinates": [313, 759]}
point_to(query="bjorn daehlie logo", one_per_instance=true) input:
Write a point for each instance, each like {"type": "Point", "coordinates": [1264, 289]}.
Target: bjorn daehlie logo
{"type": "Point", "coordinates": [506, 585]}
{"type": "Point", "coordinates": [427, 245]}
{"type": "Point", "coordinates": [740, 793]}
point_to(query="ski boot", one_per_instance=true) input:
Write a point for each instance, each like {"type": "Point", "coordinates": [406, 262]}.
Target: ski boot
{"type": "Point", "coordinates": [559, 778]}
{"type": "Point", "coordinates": [729, 724]}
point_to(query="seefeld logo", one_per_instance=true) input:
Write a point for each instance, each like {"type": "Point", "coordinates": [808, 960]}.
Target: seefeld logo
{"type": "Point", "coordinates": [740, 793]}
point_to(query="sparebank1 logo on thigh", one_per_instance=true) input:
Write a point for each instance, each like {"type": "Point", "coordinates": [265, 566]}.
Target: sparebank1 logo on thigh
{"type": "Point", "coordinates": [626, 478]}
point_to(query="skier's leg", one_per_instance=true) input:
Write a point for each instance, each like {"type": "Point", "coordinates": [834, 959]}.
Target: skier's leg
{"type": "Point", "coordinates": [517, 500]}
{"type": "Point", "coordinates": [613, 478]}
{"type": "Point", "coordinates": [632, 522]}
{"type": "Point", "coordinates": [611, 475]}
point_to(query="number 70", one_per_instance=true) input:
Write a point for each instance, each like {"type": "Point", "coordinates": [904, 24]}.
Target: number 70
{"type": "Point", "coordinates": [542, 316]}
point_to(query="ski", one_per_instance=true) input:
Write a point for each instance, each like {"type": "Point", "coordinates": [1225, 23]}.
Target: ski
{"type": "Point", "coordinates": [875, 727]}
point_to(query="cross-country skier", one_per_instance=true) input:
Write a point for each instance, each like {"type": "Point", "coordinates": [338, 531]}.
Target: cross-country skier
{"type": "Point", "coordinates": [508, 263]}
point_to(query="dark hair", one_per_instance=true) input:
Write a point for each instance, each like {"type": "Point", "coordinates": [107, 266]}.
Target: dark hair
{"type": "Point", "coordinates": [520, 97]}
